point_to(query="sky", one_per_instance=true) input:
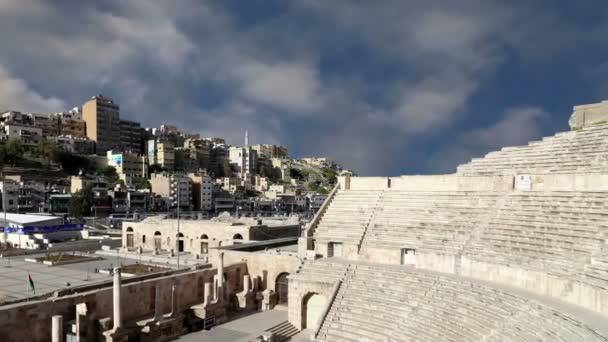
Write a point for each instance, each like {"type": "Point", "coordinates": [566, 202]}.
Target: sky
{"type": "Point", "coordinates": [383, 87]}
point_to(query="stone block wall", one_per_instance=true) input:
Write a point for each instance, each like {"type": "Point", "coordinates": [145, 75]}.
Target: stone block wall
{"type": "Point", "coordinates": [265, 266]}
{"type": "Point", "coordinates": [31, 321]}
{"type": "Point", "coordinates": [298, 291]}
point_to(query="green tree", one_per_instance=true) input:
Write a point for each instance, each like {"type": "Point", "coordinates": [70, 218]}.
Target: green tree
{"type": "Point", "coordinates": [71, 163]}
{"type": "Point", "coordinates": [107, 171]}
{"type": "Point", "coordinates": [46, 150]}
{"type": "Point", "coordinates": [81, 202]}
{"type": "Point", "coordinates": [13, 151]}
{"type": "Point", "coordinates": [141, 183]}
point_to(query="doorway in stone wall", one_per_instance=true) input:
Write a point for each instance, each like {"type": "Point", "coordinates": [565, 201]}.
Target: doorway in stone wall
{"type": "Point", "coordinates": [282, 288]}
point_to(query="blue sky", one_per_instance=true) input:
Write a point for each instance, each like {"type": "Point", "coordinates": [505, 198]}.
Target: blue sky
{"type": "Point", "coordinates": [384, 87]}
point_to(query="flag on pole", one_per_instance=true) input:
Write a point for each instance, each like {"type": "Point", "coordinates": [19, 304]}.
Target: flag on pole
{"type": "Point", "coordinates": [31, 282]}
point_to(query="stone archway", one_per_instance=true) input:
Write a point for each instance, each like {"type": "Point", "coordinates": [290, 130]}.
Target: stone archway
{"type": "Point", "coordinates": [281, 288]}
{"type": "Point", "coordinates": [130, 237]}
{"type": "Point", "coordinates": [312, 309]}
{"type": "Point", "coordinates": [180, 242]}
{"type": "Point", "coordinates": [157, 241]}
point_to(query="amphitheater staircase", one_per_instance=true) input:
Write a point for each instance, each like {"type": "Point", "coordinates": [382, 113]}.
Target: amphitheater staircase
{"type": "Point", "coordinates": [378, 207]}
{"type": "Point", "coordinates": [283, 331]}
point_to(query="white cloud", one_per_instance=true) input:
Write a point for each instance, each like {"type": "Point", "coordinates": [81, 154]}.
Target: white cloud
{"type": "Point", "coordinates": [16, 94]}
{"type": "Point", "coordinates": [289, 86]}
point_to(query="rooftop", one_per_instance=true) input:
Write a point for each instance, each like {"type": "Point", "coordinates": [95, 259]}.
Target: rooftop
{"type": "Point", "coordinates": [26, 218]}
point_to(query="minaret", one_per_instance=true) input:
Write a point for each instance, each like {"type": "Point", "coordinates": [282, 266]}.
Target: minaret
{"type": "Point", "coordinates": [246, 138]}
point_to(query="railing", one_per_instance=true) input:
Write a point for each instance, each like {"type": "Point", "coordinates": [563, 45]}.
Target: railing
{"type": "Point", "coordinates": [330, 302]}
{"type": "Point", "coordinates": [310, 230]}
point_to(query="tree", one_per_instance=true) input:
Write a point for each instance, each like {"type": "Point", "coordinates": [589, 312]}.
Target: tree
{"type": "Point", "coordinates": [71, 163]}
{"type": "Point", "coordinates": [107, 171]}
{"type": "Point", "coordinates": [46, 150]}
{"type": "Point", "coordinates": [81, 202]}
{"type": "Point", "coordinates": [13, 151]}
{"type": "Point", "coordinates": [296, 174]}
{"type": "Point", "coordinates": [142, 183]}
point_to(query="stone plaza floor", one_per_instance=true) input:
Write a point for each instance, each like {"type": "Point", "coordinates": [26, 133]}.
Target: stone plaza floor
{"type": "Point", "coordinates": [241, 329]}
{"type": "Point", "coordinates": [14, 275]}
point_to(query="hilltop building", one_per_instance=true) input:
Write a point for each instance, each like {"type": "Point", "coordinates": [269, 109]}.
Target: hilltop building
{"type": "Point", "coordinates": [102, 117]}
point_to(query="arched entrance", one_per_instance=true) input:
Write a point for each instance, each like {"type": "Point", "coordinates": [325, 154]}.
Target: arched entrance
{"type": "Point", "coordinates": [312, 308]}
{"type": "Point", "coordinates": [157, 241]}
{"type": "Point", "coordinates": [204, 244]}
{"type": "Point", "coordinates": [180, 242]}
{"type": "Point", "coordinates": [129, 237]}
{"type": "Point", "coordinates": [281, 288]}
{"type": "Point", "coordinates": [237, 238]}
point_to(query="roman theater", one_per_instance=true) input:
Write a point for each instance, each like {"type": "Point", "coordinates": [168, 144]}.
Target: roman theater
{"type": "Point", "coordinates": [511, 247]}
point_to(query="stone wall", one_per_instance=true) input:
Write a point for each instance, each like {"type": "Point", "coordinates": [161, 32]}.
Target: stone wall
{"type": "Point", "coordinates": [592, 298]}
{"type": "Point", "coordinates": [31, 321]}
{"type": "Point", "coordinates": [455, 182]}
{"type": "Point", "coordinates": [267, 267]}
{"type": "Point", "coordinates": [298, 291]}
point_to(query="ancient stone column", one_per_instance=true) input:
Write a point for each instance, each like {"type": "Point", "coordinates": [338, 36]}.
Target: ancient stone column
{"type": "Point", "coordinates": [158, 310]}
{"type": "Point", "coordinates": [220, 276]}
{"type": "Point", "coordinates": [207, 296]}
{"type": "Point", "coordinates": [57, 329]}
{"type": "Point", "coordinates": [81, 313]}
{"type": "Point", "coordinates": [246, 284]}
{"type": "Point", "coordinates": [173, 301]}
{"type": "Point", "coordinates": [116, 300]}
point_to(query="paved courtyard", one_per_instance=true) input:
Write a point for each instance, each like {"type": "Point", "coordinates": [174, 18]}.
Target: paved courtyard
{"type": "Point", "coordinates": [240, 329]}
{"type": "Point", "coordinates": [14, 270]}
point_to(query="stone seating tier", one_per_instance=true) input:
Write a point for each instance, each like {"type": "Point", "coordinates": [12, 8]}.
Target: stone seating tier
{"type": "Point", "coordinates": [380, 302]}
{"type": "Point", "coordinates": [576, 151]}
{"type": "Point", "coordinates": [553, 232]}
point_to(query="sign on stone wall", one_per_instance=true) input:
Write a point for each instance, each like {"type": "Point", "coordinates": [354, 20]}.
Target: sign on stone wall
{"type": "Point", "coordinates": [523, 182]}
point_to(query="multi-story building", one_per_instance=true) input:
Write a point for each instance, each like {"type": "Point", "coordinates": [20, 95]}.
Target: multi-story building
{"type": "Point", "coordinates": [75, 144]}
{"type": "Point", "coordinates": [22, 196]}
{"type": "Point", "coordinates": [49, 124]}
{"type": "Point", "coordinates": [244, 159]}
{"type": "Point", "coordinates": [29, 135]}
{"type": "Point", "coordinates": [72, 126]}
{"type": "Point", "coordinates": [102, 117]}
{"type": "Point", "coordinates": [177, 188]}
{"type": "Point", "coordinates": [316, 161]}
{"type": "Point", "coordinates": [219, 163]}
{"type": "Point", "coordinates": [131, 136]}
{"type": "Point", "coordinates": [17, 118]}
{"type": "Point", "coordinates": [9, 190]}
{"type": "Point", "coordinates": [202, 191]}
{"type": "Point", "coordinates": [161, 153]}
{"type": "Point", "coordinates": [271, 151]}
{"type": "Point", "coordinates": [128, 165]}
{"type": "Point", "coordinates": [200, 151]}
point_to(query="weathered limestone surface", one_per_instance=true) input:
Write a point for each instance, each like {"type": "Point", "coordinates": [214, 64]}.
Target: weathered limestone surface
{"type": "Point", "coordinates": [580, 151]}
{"type": "Point", "coordinates": [395, 303]}
{"type": "Point", "coordinates": [589, 114]}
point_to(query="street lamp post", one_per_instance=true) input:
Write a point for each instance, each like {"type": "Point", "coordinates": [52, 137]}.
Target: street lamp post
{"type": "Point", "coordinates": [177, 235]}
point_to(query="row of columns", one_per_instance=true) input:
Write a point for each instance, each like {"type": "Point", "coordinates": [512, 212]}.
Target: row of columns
{"type": "Point", "coordinates": [57, 320]}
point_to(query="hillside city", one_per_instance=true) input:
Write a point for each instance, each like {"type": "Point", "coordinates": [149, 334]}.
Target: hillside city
{"type": "Point", "coordinates": [294, 171]}
{"type": "Point", "coordinates": [88, 161]}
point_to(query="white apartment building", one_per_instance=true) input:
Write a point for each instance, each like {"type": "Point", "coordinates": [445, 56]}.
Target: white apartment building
{"type": "Point", "coordinates": [128, 165]}
{"type": "Point", "coordinates": [245, 159]}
